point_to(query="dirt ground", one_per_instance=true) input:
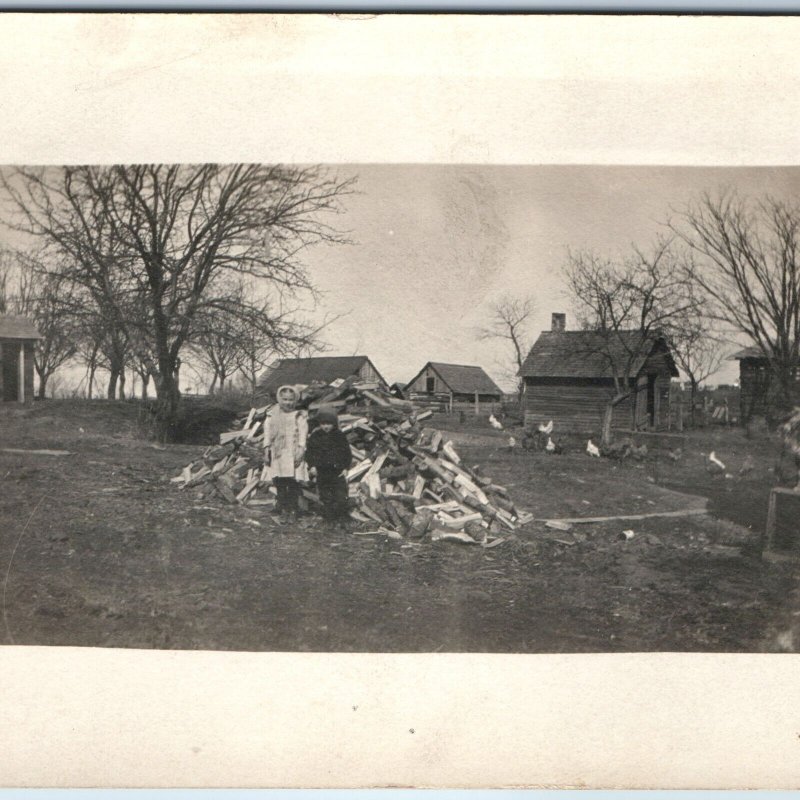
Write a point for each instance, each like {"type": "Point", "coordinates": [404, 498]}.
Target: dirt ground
{"type": "Point", "coordinates": [98, 548]}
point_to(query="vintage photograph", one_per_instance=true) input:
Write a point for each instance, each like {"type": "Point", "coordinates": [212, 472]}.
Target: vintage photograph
{"type": "Point", "coordinates": [398, 408]}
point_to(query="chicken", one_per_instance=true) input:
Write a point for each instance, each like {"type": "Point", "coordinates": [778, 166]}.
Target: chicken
{"type": "Point", "coordinates": [512, 443]}
{"type": "Point", "coordinates": [553, 447]}
{"type": "Point", "coordinates": [495, 423]}
{"type": "Point", "coordinates": [712, 457]}
{"type": "Point", "coordinates": [592, 449]}
{"type": "Point", "coordinates": [546, 429]}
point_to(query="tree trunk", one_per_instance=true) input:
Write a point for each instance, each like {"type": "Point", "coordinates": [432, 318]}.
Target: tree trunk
{"type": "Point", "coordinates": [111, 393]}
{"type": "Point", "coordinates": [213, 384]}
{"type": "Point", "coordinates": [90, 388]}
{"type": "Point", "coordinates": [168, 402]}
{"type": "Point", "coordinates": [692, 397]}
{"type": "Point", "coordinates": [606, 436]}
{"type": "Point", "coordinates": [42, 385]}
{"type": "Point", "coordinates": [121, 385]}
{"type": "Point", "coordinates": [145, 376]}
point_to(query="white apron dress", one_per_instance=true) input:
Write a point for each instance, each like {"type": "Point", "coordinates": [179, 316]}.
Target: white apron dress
{"type": "Point", "coordinates": [285, 434]}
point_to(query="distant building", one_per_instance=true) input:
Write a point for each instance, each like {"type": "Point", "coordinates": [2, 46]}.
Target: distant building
{"type": "Point", "coordinates": [755, 383]}
{"type": "Point", "coordinates": [569, 378]}
{"type": "Point", "coordinates": [452, 383]}
{"type": "Point", "coordinates": [318, 369]}
{"type": "Point", "coordinates": [18, 336]}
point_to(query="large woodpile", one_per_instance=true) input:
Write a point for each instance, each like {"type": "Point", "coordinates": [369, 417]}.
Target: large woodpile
{"type": "Point", "coordinates": [407, 479]}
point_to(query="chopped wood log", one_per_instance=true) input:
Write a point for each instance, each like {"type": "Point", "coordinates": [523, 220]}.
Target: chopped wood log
{"type": "Point", "coordinates": [450, 452]}
{"type": "Point", "coordinates": [224, 490]}
{"type": "Point", "coordinates": [454, 536]}
{"type": "Point", "coordinates": [419, 486]}
{"type": "Point", "coordinates": [358, 470]}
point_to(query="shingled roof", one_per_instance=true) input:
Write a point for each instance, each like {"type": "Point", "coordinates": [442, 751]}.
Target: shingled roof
{"type": "Point", "coordinates": [304, 371]}
{"type": "Point", "coordinates": [462, 378]}
{"type": "Point", "coordinates": [17, 328]}
{"type": "Point", "coordinates": [589, 354]}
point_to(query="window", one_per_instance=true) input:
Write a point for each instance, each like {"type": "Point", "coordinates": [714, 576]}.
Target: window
{"type": "Point", "coordinates": [430, 385]}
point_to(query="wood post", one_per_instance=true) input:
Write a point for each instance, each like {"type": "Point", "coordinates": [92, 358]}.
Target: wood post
{"type": "Point", "coordinates": [477, 405]}
{"type": "Point", "coordinates": [769, 532]}
{"type": "Point", "coordinates": [451, 403]}
{"type": "Point", "coordinates": [21, 389]}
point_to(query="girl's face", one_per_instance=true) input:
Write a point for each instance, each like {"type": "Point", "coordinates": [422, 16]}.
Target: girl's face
{"type": "Point", "coordinates": [326, 426]}
{"type": "Point", "coordinates": [286, 401]}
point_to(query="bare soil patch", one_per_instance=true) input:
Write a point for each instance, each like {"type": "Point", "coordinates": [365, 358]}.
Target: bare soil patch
{"type": "Point", "coordinates": [99, 549]}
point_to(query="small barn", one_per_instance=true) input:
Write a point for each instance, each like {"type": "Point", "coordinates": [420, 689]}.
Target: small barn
{"type": "Point", "coordinates": [18, 336]}
{"type": "Point", "coordinates": [755, 383]}
{"type": "Point", "coordinates": [453, 384]}
{"type": "Point", "coordinates": [318, 369]}
{"type": "Point", "coordinates": [569, 378]}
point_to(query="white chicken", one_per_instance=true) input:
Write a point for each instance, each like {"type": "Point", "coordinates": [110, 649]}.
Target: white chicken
{"type": "Point", "coordinates": [712, 457]}
{"type": "Point", "coordinates": [546, 429]}
{"type": "Point", "coordinates": [495, 423]}
{"type": "Point", "coordinates": [512, 443]}
{"type": "Point", "coordinates": [592, 449]}
{"type": "Point", "coordinates": [550, 447]}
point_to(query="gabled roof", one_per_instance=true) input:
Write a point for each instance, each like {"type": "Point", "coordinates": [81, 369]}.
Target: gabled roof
{"type": "Point", "coordinates": [462, 379]}
{"type": "Point", "coordinates": [748, 352]}
{"type": "Point", "coordinates": [322, 369]}
{"type": "Point", "coordinates": [590, 354]}
{"type": "Point", "coordinates": [17, 328]}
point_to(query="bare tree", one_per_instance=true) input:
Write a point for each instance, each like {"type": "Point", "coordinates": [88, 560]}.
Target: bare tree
{"type": "Point", "coordinates": [743, 258]}
{"type": "Point", "coordinates": [697, 350]}
{"type": "Point", "coordinates": [625, 307]}
{"type": "Point", "coordinates": [150, 242]}
{"type": "Point", "coordinates": [510, 320]}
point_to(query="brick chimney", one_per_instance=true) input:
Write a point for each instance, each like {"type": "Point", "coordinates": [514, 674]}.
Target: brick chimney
{"type": "Point", "coordinates": [559, 322]}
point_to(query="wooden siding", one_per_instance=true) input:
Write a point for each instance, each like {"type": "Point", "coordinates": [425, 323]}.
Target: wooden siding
{"type": "Point", "coordinates": [577, 405]}
{"type": "Point", "coordinates": [756, 387]}
{"type": "Point", "coordinates": [369, 373]}
{"type": "Point", "coordinates": [420, 384]}
{"type": "Point", "coordinates": [9, 370]}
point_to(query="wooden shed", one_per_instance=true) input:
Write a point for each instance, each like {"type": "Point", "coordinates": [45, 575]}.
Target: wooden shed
{"type": "Point", "coordinates": [321, 369]}
{"type": "Point", "coordinates": [568, 378]}
{"type": "Point", "coordinates": [755, 383]}
{"type": "Point", "coordinates": [452, 384]}
{"type": "Point", "coordinates": [18, 337]}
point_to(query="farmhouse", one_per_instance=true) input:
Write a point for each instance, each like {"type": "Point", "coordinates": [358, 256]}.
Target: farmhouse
{"type": "Point", "coordinates": [18, 335]}
{"type": "Point", "coordinates": [568, 377]}
{"type": "Point", "coordinates": [322, 369]}
{"type": "Point", "coordinates": [754, 383]}
{"type": "Point", "coordinates": [451, 384]}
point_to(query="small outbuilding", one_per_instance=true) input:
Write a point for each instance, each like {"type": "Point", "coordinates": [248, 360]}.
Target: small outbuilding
{"type": "Point", "coordinates": [755, 383]}
{"type": "Point", "coordinates": [318, 369]}
{"type": "Point", "coordinates": [569, 378]}
{"type": "Point", "coordinates": [18, 337]}
{"type": "Point", "coordinates": [453, 384]}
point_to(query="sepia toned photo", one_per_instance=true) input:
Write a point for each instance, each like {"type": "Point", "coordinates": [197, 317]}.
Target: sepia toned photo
{"type": "Point", "coordinates": [399, 401]}
{"type": "Point", "coordinates": [401, 408]}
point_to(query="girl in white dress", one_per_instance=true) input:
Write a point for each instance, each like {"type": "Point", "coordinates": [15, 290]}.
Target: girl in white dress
{"type": "Point", "coordinates": [285, 434]}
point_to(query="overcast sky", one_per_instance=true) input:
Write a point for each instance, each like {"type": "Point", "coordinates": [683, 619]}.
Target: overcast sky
{"type": "Point", "coordinates": [435, 245]}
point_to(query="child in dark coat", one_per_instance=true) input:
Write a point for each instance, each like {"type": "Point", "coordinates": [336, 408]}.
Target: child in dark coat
{"type": "Point", "coordinates": [328, 453]}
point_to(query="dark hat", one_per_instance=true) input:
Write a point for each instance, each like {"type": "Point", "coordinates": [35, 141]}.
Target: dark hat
{"type": "Point", "coordinates": [327, 414]}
